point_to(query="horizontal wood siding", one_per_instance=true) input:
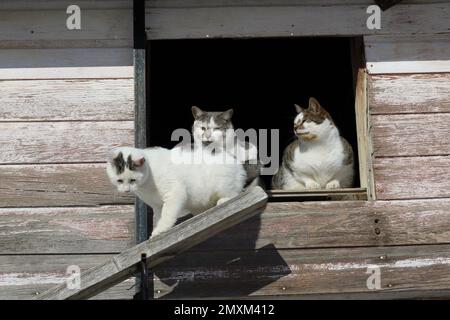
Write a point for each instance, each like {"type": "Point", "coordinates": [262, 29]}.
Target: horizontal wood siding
{"type": "Point", "coordinates": [291, 20]}
{"type": "Point", "coordinates": [409, 93]}
{"type": "Point", "coordinates": [56, 142]}
{"type": "Point", "coordinates": [237, 3]}
{"type": "Point", "coordinates": [412, 177]}
{"type": "Point", "coordinates": [411, 134]}
{"type": "Point", "coordinates": [58, 185]}
{"type": "Point", "coordinates": [96, 24]}
{"type": "Point", "coordinates": [269, 272]}
{"type": "Point", "coordinates": [25, 276]}
{"type": "Point", "coordinates": [62, 230]}
{"type": "Point", "coordinates": [57, 100]}
{"type": "Point", "coordinates": [285, 225]}
{"type": "Point", "coordinates": [67, 98]}
{"type": "Point", "coordinates": [339, 224]}
{"type": "Point", "coordinates": [410, 128]}
{"type": "Point", "coordinates": [408, 54]}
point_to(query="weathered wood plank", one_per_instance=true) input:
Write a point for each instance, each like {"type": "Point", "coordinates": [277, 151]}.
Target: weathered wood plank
{"type": "Point", "coordinates": [54, 142]}
{"type": "Point", "coordinates": [337, 194]}
{"type": "Point", "coordinates": [411, 134]}
{"type": "Point", "coordinates": [272, 272]}
{"type": "Point", "coordinates": [73, 57]}
{"type": "Point", "coordinates": [407, 54]}
{"type": "Point", "coordinates": [163, 246]}
{"type": "Point", "coordinates": [286, 225]}
{"type": "Point", "coordinates": [104, 229]}
{"type": "Point", "coordinates": [225, 3]}
{"type": "Point", "coordinates": [111, 24]}
{"type": "Point", "coordinates": [412, 177]}
{"type": "Point", "coordinates": [39, 100]}
{"type": "Point", "coordinates": [286, 21]}
{"type": "Point", "coordinates": [25, 276]}
{"type": "Point", "coordinates": [66, 73]}
{"type": "Point", "coordinates": [415, 93]}
{"type": "Point", "coordinates": [63, 4]}
{"type": "Point", "coordinates": [317, 224]}
{"type": "Point", "coordinates": [58, 185]}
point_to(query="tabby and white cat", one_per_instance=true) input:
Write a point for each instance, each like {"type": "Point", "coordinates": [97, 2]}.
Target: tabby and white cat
{"type": "Point", "coordinates": [215, 130]}
{"type": "Point", "coordinates": [319, 157]}
{"type": "Point", "coordinates": [173, 189]}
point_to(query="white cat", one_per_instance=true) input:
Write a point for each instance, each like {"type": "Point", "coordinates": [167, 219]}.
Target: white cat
{"type": "Point", "coordinates": [172, 188]}
{"type": "Point", "coordinates": [215, 131]}
{"type": "Point", "coordinates": [319, 158]}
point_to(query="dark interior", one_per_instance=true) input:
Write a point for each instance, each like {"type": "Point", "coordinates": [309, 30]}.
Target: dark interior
{"type": "Point", "coordinates": [260, 78]}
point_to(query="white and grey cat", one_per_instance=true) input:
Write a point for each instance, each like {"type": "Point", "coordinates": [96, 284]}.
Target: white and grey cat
{"type": "Point", "coordinates": [319, 157]}
{"type": "Point", "coordinates": [215, 130]}
{"type": "Point", "coordinates": [173, 188]}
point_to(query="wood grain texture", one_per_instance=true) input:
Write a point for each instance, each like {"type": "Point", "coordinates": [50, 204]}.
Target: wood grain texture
{"type": "Point", "coordinates": [48, 100]}
{"type": "Point", "coordinates": [55, 142]}
{"type": "Point", "coordinates": [72, 57]}
{"type": "Point", "coordinates": [22, 277]}
{"type": "Point", "coordinates": [105, 229]}
{"type": "Point", "coordinates": [407, 54]}
{"type": "Point", "coordinates": [32, 25]}
{"type": "Point", "coordinates": [286, 21]}
{"type": "Point", "coordinates": [272, 272]}
{"type": "Point", "coordinates": [411, 134]}
{"type": "Point", "coordinates": [412, 177]}
{"type": "Point", "coordinates": [228, 3]}
{"type": "Point", "coordinates": [58, 185]}
{"type": "Point", "coordinates": [63, 4]}
{"type": "Point", "coordinates": [163, 246]}
{"type": "Point", "coordinates": [285, 225]}
{"type": "Point", "coordinates": [319, 224]}
{"type": "Point", "coordinates": [414, 93]}
{"type": "Point", "coordinates": [66, 73]}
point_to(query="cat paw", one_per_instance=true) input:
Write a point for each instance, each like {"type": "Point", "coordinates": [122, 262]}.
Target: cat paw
{"type": "Point", "coordinates": [157, 231]}
{"type": "Point", "coordinates": [222, 200]}
{"type": "Point", "coordinates": [312, 185]}
{"type": "Point", "coordinates": [333, 184]}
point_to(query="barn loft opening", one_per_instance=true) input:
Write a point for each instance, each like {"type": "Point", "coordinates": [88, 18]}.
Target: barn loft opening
{"type": "Point", "coordinates": [260, 78]}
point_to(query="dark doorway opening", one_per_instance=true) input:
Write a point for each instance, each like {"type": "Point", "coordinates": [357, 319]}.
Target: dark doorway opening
{"type": "Point", "coordinates": [260, 78]}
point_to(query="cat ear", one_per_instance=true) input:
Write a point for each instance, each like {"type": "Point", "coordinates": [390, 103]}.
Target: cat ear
{"type": "Point", "coordinates": [139, 163]}
{"type": "Point", "coordinates": [113, 156]}
{"type": "Point", "coordinates": [298, 108]}
{"type": "Point", "coordinates": [226, 115]}
{"type": "Point", "coordinates": [196, 112]}
{"type": "Point", "coordinates": [314, 105]}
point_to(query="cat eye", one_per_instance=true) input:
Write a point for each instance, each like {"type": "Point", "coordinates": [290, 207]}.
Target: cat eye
{"type": "Point", "coordinates": [132, 180]}
{"type": "Point", "coordinates": [203, 129]}
{"type": "Point", "coordinates": [120, 181]}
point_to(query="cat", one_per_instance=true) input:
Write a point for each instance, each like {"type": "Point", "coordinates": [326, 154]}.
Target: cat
{"type": "Point", "coordinates": [319, 158]}
{"type": "Point", "coordinates": [173, 189]}
{"type": "Point", "coordinates": [215, 131]}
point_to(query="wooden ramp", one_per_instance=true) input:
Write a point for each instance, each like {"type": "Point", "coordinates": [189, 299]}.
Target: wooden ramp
{"type": "Point", "coordinates": [162, 247]}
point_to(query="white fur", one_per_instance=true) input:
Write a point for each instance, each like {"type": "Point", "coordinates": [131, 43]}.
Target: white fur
{"type": "Point", "coordinates": [174, 189]}
{"type": "Point", "coordinates": [319, 164]}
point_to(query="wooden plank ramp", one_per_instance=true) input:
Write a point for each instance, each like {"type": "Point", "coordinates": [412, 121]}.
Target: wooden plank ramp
{"type": "Point", "coordinates": [163, 247]}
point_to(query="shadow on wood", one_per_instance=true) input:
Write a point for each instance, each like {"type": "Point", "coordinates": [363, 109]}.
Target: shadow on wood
{"type": "Point", "coordinates": [163, 247]}
{"type": "Point", "coordinates": [218, 274]}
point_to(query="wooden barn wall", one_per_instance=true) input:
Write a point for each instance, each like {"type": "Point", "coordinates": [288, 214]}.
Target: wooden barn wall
{"type": "Point", "coordinates": [319, 249]}
{"type": "Point", "coordinates": [75, 99]}
{"type": "Point", "coordinates": [409, 115]}
{"type": "Point", "coordinates": [66, 98]}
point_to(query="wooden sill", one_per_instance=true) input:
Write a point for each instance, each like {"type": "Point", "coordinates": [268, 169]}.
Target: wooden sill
{"type": "Point", "coordinates": [318, 195]}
